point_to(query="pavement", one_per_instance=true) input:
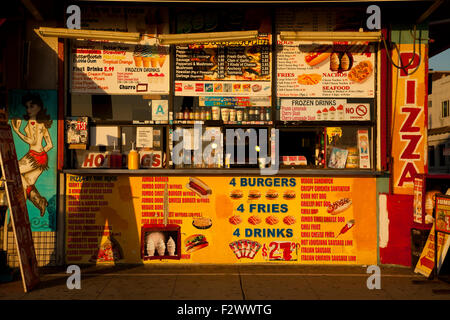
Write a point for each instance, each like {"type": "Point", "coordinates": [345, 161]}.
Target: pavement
{"type": "Point", "coordinates": [229, 282]}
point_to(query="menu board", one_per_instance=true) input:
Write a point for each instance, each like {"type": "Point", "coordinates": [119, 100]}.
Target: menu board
{"type": "Point", "coordinates": [323, 69]}
{"type": "Point", "coordinates": [221, 219]}
{"type": "Point", "coordinates": [419, 188]}
{"type": "Point", "coordinates": [118, 68]}
{"type": "Point", "coordinates": [225, 69]}
{"type": "Point", "coordinates": [323, 110]}
{"type": "Point", "coordinates": [443, 213]}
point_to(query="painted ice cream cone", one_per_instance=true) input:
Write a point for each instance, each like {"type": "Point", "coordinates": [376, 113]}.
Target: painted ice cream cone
{"type": "Point", "coordinates": [161, 247]}
{"type": "Point", "coordinates": [150, 247]}
{"type": "Point", "coordinates": [171, 247]}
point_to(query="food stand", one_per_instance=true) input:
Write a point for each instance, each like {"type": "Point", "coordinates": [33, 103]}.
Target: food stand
{"type": "Point", "coordinates": [207, 118]}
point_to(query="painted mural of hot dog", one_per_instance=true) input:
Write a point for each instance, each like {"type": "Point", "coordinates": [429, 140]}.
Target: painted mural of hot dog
{"type": "Point", "coordinates": [339, 206]}
{"type": "Point", "coordinates": [199, 187]}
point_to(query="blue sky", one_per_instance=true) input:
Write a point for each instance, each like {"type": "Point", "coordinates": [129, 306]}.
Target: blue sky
{"type": "Point", "coordinates": [440, 62]}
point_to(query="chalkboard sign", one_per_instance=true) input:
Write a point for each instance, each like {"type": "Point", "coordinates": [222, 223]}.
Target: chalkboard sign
{"type": "Point", "coordinates": [18, 209]}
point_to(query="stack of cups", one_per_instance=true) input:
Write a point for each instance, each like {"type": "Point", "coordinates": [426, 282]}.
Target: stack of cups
{"type": "Point", "coordinates": [215, 113]}
{"type": "Point", "coordinates": [232, 115]}
{"type": "Point", "coordinates": [225, 114]}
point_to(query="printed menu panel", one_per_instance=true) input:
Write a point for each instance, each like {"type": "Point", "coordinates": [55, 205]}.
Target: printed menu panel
{"type": "Point", "coordinates": [323, 69]}
{"type": "Point", "coordinates": [234, 68]}
{"type": "Point", "coordinates": [121, 219]}
{"type": "Point", "coordinates": [118, 68]}
{"type": "Point", "coordinates": [323, 110]}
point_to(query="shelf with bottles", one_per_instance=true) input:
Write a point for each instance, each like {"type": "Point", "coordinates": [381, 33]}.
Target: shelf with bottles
{"type": "Point", "coordinates": [228, 115]}
{"type": "Point", "coordinates": [190, 111]}
{"type": "Point", "coordinates": [197, 149]}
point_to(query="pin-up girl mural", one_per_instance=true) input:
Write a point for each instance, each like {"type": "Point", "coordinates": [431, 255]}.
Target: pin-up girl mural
{"type": "Point", "coordinates": [36, 135]}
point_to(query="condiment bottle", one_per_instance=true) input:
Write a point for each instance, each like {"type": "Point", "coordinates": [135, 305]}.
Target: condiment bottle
{"type": "Point", "coordinates": [262, 114]}
{"type": "Point", "coordinates": [202, 114]}
{"type": "Point", "coordinates": [133, 158]}
{"type": "Point", "coordinates": [208, 114]}
{"type": "Point", "coordinates": [115, 159]}
{"type": "Point", "coordinates": [268, 115]}
{"type": "Point", "coordinates": [186, 113]}
{"type": "Point", "coordinates": [246, 115]}
{"type": "Point", "coordinates": [191, 113]}
{"type": "Point", "coordinates": [251, 115]}
{"type": "Point", "coordinates": [197, 114]}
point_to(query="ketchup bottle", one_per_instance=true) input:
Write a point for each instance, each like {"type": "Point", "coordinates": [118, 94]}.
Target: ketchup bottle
{"type": "Point", "coordinates": [115, 160]}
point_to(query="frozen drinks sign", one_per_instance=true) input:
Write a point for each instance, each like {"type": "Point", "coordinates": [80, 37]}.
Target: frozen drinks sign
{"type": "Point", "coordinates": [323, 110]}
{"type": "Point", "coordinates": [117, 68]}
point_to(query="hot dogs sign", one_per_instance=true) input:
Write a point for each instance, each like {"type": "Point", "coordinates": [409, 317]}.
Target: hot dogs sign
{"type": "Point", "coordinates": [338, 69]}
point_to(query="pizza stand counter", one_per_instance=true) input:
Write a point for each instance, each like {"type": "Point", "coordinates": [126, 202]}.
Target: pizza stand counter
{"type": "Point", "coordinates": [155, 215]}
{"type": "Point", "coordinates": [320, 94]}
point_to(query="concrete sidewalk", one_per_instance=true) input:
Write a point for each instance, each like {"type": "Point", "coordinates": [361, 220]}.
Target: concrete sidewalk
{"type": "Point", "coordinates": [229, 282]}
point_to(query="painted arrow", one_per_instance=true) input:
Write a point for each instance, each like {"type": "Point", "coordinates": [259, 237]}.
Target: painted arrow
{"type": "Point", "coordinates": [427, 262]}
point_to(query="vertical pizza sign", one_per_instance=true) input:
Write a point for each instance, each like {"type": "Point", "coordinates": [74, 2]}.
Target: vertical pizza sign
{"type": "Point", "coordinates": [409, 135]}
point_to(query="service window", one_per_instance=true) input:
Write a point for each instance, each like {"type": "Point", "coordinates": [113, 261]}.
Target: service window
{"type": "Point", "coordinates": [225, 85]}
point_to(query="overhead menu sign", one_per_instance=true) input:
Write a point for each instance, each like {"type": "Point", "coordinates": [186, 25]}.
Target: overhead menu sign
{"type": "Point", "coordinates": [325, 69]}
{"type": "Point", "coordinates": [323, 110]}
{"type": "Point", "coordinates": [118, 68]}
{"type": "Point", "coordinates": [236, 68]}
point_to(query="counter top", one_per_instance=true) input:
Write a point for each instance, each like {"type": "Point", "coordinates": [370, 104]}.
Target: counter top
{"type": "Point", "coordinates": [229, 172]}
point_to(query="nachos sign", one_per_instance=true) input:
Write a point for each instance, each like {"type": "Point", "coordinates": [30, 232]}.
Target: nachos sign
{"type": "Point", "coordinates": [409, 119]}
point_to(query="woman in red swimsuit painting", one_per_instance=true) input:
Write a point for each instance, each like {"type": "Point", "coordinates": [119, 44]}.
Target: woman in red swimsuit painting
{"type": "Point", "coordinates": [35, 161]}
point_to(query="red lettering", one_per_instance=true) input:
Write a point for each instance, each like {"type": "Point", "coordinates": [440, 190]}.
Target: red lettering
{"type": "Point", "coordinates": [408, 152]}
{"type": "Point", "coordinates": [406, 58]}
{"type": "Point", "coordinates": [405, 178]}
{"type": "Point", "coordinates": [156, 160]}
{"type": "Point", "coordinates": [410, 91]}
{"type": "Point", "coordinates": [99, 159]}
{"type": "Point", "coordinates": [88, 161]}
{"type": "Point", "coordinates": [408, 124]}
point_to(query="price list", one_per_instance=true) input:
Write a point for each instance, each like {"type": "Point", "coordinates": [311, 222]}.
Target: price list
{"type": "Point", "coordinates": [222, 62]}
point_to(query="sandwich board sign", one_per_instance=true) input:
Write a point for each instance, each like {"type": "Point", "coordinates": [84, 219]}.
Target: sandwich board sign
{"type": "Point", "coordinates": [18, 209]}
